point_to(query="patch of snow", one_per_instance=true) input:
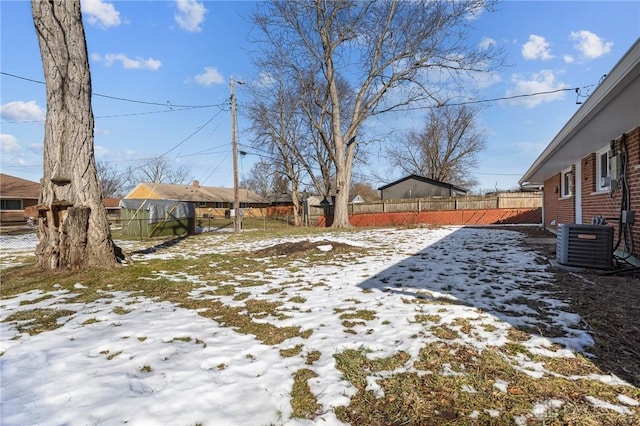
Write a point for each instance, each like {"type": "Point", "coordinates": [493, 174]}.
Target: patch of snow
{"type": "Point", "coordinates": [492, 413]}
{"type": "Point", "coordinates": [540, 410]}
{"type": "Point", "coordinates": [179, 367]}
{"type": "Point", "coordinates": [607, 405]}
{"type": "Point", "coordinates": [628, 401]}
{"type": "Point", "coordinates": [468, 389]}
{"type": "Point", "coordinates": [501, 385]}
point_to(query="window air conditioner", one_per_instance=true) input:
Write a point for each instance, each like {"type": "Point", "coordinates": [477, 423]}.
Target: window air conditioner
{"type": "Point", "coordinates": [588, 246]}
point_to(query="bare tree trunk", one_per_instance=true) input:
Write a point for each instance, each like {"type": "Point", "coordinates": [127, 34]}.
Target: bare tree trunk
{"type": "Point", "coordinates": [344, 165]}
{"type": "Point", "coordinates": [73, 228]}
{"type": "Point", "coordinates": [295, 197]}
{"type": "Point", "coordinates": [386, 52]}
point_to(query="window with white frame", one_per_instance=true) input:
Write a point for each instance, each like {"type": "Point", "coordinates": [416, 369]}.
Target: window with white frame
{"type": "Point", "coordinates": [566, 183]}
{"type": "Point", "coordinates": [202, 204]}
{"type": "Point", "coordinates": [603, 177]}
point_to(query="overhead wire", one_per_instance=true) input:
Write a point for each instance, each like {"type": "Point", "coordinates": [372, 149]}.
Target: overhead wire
{"type": "Point", "coordinates": [178, 107]}
{"type": "Point", "coordinates": [171, 108]}
{"type": "Point", "coordinates": [118, 98]}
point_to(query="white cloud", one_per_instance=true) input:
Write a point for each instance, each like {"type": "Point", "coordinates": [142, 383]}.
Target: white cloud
{"type": "Point", "coordinates": [543, 81]}
{"type": "Point", "coordinates": [590, 45]}
{"type": "Point", "coordinates": [536, 48]}
{"type": "Point", "coordinates": [487, 79]}
{"type": "Point", "coordinates": [568, 59]}
{"type": "Point", "coordinates": [476, 12]}
{"type": "Point", "coordinates": [22, 111]}
{"type": "Point", "coordinates": [9, 144]}
{"type": "Point", "coordinates": [101, 151]}
{"type": "Point", "coordinates": [190, 15]}
{"type": "Point", "coordinates": [265, 79]}
{"type": "Point", "coordinates": [100, 13]}
{"type": "Point", "coordinates": [127, 63]}
{"type": "Point", "coordinates": [486, 43]}
{"type": "Point", "coordinates": [209, 77]}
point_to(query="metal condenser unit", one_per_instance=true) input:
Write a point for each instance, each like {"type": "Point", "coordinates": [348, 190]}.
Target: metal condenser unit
{"type": "Point", "coordinates": [588, 246]}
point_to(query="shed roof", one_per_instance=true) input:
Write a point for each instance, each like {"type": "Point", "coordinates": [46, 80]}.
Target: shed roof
{"type": "Point", "coordinates": [15, 187]}
{"type": "Point", "coordinates": [425, 180]}
{"type": "Point", "coordinates": [111, 202]}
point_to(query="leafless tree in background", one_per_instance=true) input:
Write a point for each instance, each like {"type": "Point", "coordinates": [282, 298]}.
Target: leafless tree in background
{"type": "Point", "coordinates": [114, 182]}
{"type": "Point", "coordinates": [160, 170]}
{"type": "Point", "coordinates": [445, 149]}
{"type": "Point", "coordinates": [365, 190]}
{"type": "Point", "coordinates": [393, 53]}
{"type": "Point", "coordinates": [260, 178]}
{"type": "Point", "coordinates": [73, 229]}
{"type": "Point", "coordinates": [277, 128]}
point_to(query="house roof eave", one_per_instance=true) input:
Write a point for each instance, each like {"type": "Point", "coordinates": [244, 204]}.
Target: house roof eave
{"type": "Point", "coordinates": [610, 111]}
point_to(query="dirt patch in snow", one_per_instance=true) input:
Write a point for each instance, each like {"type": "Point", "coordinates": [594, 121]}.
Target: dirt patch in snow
{"type": "Point", "coordinates": [304, 247]}
{"type": "Point", "coordinates": [608, 303]}
{"type": "Point", "coordinates": [610, 310]}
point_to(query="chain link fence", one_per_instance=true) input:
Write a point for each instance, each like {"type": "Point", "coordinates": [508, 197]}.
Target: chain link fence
{"type": "Point", "coordinates": [23, 238]}
{"type": "Point", "coordinates": [18, 238]}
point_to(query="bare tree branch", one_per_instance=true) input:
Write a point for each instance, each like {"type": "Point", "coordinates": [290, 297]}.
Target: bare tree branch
{"type": "Point", "coordinates": [393, 53]}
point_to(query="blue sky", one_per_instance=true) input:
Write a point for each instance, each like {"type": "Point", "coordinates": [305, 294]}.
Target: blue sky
{"type": "Point", "coordinates": [150, 58]}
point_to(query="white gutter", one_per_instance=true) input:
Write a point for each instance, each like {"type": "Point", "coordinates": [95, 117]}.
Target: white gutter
{"type": "Point", "coordinates": [611, 86]}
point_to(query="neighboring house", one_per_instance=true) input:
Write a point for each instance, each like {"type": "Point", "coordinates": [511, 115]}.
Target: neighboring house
{"type": "Point", "coordinates": [208, 201]}
{"type": "Point", "coordinates": [16, 195]}
{"type": "Point", "coordinates": [414, 186]}
{"type": "Point", "coordinates": [356, 199]}
{"type": "Point", "coordinates": [591, 168]}
{"type": "Point", "coordinates": [280, 199]}
{"type": "Point", "coordinates": [112, 205]}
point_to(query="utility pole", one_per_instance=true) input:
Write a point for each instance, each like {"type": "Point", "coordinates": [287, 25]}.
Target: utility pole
{"type": "Point", "coordinates": [234, 143]}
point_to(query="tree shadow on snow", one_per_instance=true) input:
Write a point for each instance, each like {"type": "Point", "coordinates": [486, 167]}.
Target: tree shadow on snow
{"type": "Point", "coordinates": [494, 271]}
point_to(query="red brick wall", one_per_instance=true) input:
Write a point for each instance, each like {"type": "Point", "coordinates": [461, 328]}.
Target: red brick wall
{"type": "Point", "coordinates": [606, 204]}
{"type": "Point", "coordinates": [557, 209]}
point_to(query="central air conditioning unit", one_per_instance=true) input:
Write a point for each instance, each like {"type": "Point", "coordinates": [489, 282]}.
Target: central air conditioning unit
{"type": "Point", "coordinates": [588, 246]}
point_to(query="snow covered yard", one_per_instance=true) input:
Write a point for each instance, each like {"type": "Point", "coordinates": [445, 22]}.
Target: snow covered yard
{"type": "Point", "coordinates": [411, 326]}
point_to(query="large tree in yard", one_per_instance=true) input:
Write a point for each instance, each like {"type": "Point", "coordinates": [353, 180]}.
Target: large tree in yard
{"type": "Point", "coordinates": [73, 229]}
{"type": "Point", "coordinates": [446, 148]}
{"type": "Point", "coordinates": [393, 54]}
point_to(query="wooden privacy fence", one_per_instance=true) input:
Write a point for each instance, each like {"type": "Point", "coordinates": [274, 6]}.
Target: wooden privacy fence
{"type": "Point", "coordinates": [509, 200]}
{"type": "Point", "coordinates": [504, 208]}
{"type": "Point", "coordinates": [471, 202]}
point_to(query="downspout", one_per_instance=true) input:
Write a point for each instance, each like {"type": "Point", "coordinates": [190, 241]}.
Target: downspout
{"type": "Point", "coordinates": [578, 192]}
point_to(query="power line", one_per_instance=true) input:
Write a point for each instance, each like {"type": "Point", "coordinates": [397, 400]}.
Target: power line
{"type": "Point", "coordinates": [507, 98]}
{"type": "Point", "coordinates": [164, 111]}
{"type": "Point", "coordinates": [170, 105]}
{"type": "Point", "coordinates": [167, 104]}
{"type": "Point", "coordinates": [480, 101]}
{"type": "Point", "coordinates": [210, 151]}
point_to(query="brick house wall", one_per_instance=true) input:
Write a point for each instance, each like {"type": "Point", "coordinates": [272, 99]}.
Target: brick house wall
{"type": "Point", "coordinates": [557, 209]}
{"type": "Point", "coordinates": [607, 204]}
